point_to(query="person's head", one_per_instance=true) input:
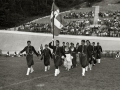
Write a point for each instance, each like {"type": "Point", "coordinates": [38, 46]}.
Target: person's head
{"type": "Point", "coordinates": [57, 42]}
{"type": "Point", "coordinates": [93, 43]}
{"type": "Point", "coordinates": [98, 44]}
{"type": "Point", "coordinates": [83, 42]}
{"type": "Point", "coordinates": [87, 42]}
{"type": "Point", "coordinates": [28, 43]}
{"type": "Point", "coordinates": [77, 45]}
{"type": "Point", "coordinates": [72, 45]}
{"type": "Point", "coordinates": [63, 43]}
{"type": "Point", "coordinates": [46, 46]}
{"type": "Point", "coordinates": [67, 44]}
{"type": "Point", "coordinates": [41, 47]}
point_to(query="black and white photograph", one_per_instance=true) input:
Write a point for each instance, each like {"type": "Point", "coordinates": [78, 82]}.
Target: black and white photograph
{"type": "Point", "coordinates": [59, 44]}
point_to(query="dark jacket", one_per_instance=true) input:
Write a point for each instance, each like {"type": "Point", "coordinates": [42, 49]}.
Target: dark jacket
{"type": "Point", "coordinates": [29, 50]}
{"type": "Point", "coordinates": [63, 49]}
{"type": "Point", "coordinates": [47, 53]}
{"type": "Point", "coordinates": [57, 50]}
{"type": "Point", "coordinates": [98, 49]}
{"type": "Point", "coordinates": [93, 49]}
{"type": "Point", "coordinates": [89, 51]}
{"type": "Point", "coordinates": [82, 49]}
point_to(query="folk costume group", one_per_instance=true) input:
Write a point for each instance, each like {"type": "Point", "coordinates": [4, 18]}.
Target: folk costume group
{"type": "Point", "coordinates": [86, 54]}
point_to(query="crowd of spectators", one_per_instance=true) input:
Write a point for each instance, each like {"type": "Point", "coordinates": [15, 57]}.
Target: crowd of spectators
{"type": "Point", "coordinates": [80, 15]}
{"type": "Point", "coordinates": [77, 27]}
{"type": "Point", "coordinates": [108, 27]}
{"type": "Point", "coordinates": [35, 27]}
{"type": "Point", "coordinates": [109, 14]}
{"type": "Point", "coordinates": [112, 26]}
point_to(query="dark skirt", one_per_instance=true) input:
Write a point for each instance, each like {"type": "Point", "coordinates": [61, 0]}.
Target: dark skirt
{"type": "Point", "coordinates": [57, 60]}
{"type": "Point", "coordinates": [46, 61]}
{"type": "Point", "coordinates": [30, 61]}
{"type": "Point", "coordinates": [89, 58]}
{"type": "Point", "coordinates": [98, 56]}
{"type": "Point", "coordinates": [83, 60]}
{"type": "Point", "coordinates": [74, 59]}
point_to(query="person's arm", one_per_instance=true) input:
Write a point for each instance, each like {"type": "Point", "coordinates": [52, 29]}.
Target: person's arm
{"type": "Point", "coordinates": [63, 54]}
{"type": "Point", "coordinates": [35, 51]}
{"type": "Point", "coordinates": [74, 49]}
{"type": "Point", "coordinates": [50, 53]}
{"type": "Point", "coordinates": [23, 50]}
{"type": "Point", "coordinates": [78, 49]}
{"type": "Point", "coordinates": [95, 48]}
{"type": "Point", "coordinates": [85, 49]}
{"type": "Point", "coordinates": [50, 45]}
{"type": "Point", "coordinates": [101, 48]}
{"type": "Point", "coordinates": [88, 51]}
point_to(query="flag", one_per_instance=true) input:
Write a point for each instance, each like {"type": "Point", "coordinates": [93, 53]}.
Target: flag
{"type": "Point", "coordinates": [58, 22]}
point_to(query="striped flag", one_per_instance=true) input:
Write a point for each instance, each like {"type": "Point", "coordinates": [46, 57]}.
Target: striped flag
{"type": "Point", "coordinates": [58, 23]}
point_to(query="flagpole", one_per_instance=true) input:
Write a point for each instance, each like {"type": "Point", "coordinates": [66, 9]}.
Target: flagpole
{"type": "Point", "coordinates": [53, 21]}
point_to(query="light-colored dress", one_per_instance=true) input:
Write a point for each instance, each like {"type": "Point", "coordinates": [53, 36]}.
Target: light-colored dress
{"type": "Point", "coordinates": [68, 59]}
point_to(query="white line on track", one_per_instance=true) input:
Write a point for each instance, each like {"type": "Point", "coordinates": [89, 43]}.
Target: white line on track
{"type": "Point", "coordinates": [25, 81]}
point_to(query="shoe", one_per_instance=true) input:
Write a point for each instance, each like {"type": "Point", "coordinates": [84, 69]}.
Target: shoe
{"type": "Point", "coordinates": [83, 75]}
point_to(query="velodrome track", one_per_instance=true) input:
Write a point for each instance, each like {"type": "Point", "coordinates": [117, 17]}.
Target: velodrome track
{"type": "Point", "coordinates": [15, 41]}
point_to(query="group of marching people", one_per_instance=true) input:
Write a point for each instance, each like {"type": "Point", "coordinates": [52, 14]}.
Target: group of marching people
{"type": "Point", "coordinates": [85, 54]}
{"type": "Point", "coordinates": [68, 55]}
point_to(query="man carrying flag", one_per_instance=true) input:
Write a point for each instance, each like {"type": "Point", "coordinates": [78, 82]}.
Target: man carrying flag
{"type": "Point", "coordinates": [56, 27]}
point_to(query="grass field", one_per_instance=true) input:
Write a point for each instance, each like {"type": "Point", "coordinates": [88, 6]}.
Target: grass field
{"type": "Point", "coordinates": [104, 76]}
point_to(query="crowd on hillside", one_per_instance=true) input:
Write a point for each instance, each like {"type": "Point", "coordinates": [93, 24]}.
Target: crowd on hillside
{"type": "Point", "coordinates": [111, 28]}
{"type": "Point", "coordinates": [108, 27]}
{"type": "Point", "coordinates": [35, 27]}
{"type": "Point", "coordinates": [79, 15]}
{"type": "Point", "coordinates": [109, 14]}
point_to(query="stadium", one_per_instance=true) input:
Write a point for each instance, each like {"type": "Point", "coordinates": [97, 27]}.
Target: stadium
{"type": "Point", "coordinates": [96, 23]}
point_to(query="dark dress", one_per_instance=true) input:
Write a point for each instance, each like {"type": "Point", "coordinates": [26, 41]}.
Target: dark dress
{"type": "Point", "coordinates": [29, 55]}
{"type": "Point", "coordinates": [89, 54]}
{"type": "Point", "coordinates": [73, 53]}
{"type": "Point", "coordinates": [83, 56]}
{"type": "Point", "coordinates": [94, 54]}
{"type": "Point", "coordinates": [47, 55]}
{"type": "Point", "coordinates": [98, 50]}
{"type": "Point", "coordinates": [63, 49]}
{"type": "Point", "coordinates": [57, 54]}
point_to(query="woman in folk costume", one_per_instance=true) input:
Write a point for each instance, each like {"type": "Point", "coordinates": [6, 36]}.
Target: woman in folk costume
{"type": "Point", "coordinates": [68, 59]}
{"type": "Point", "coordinates": [29, 56]}
{"type": "Point", "coordinates": [73, 54]}
{"type": "Point", "coordinates": [46, 57]}
{"type": "Point", "coordinates": [83, 56]}
{"type": "Point", "coordinates": [41, 49]}
{"type": "Point", "coordinates": [63, 49]}
{"type": "Point", "coordinates": [98, 50]}
{"type": "Point", "coordinates": [94, 54]}
{"type": "Point", "coordinates": [77, 54]}
{"type": "Point", "coordinates": [89, 55]}
{"type": "Point", "coordinates": [57, 56]}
